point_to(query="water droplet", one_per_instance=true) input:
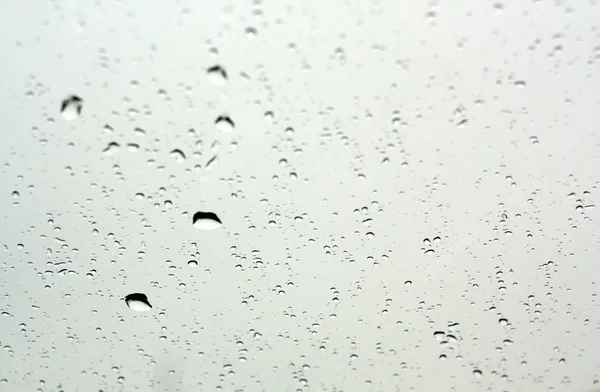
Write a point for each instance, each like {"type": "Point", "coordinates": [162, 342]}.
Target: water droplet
{"type": "Point", "coordinates": [193, 263]}
{"type": "Point", "coordinates": [477, 373]}
{"type": "Point", "coordinates": [503, 322]}
{"type": "Point", "coordinates": [408, 283]}
{"type": "Point", "coordinates": [178, 155]}
{"type": "Point", "coordinates": [429, 251]}
{"type": "Point", "coordinates": [71, 107]}
{"type": "Point", "coordinates": [217, 75]}
{"type": "Point", "coordinates": [133, 147]}
{"type": "Point", "coordinates": [206, 221]}
{"type": "Point", "coordinates": [138, 302]}
{"type": "Point", "coordinates": [439, 335]}
{"type": "Point", "coordinates": [224, 124]}
{"type": "Point", "coordinates": [251, 32]}
{"type": "Point", "coordinates": [112, 148]}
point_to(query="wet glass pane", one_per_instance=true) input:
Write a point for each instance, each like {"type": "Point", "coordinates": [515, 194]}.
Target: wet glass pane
{"type": "Point", "coordinates": [300, 196]}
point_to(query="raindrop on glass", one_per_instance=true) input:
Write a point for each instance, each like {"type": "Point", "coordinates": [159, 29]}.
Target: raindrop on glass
{"type": "Point", "coordinates": [224, 124]}
{"type": "Point", "coordinates": [251, 32]}
{"type": "Point", "coordinates": [217, 75]}
{"type": "Point", "coordinates": [439, 335]}
{"type": "Point", "coordinates": [138, 302]}
{"type": "Point", "coordinates": [206, 220]}
{"type": "Point", "coordinates": [71, 107]}
{"type": "Point", "coordinates": [111, 149]}
{"type": "Point", "coordinates": [178, 155]}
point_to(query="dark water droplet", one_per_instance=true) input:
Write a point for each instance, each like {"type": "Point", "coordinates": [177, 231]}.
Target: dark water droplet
{"type": "Point", "coordinates": [225, 124]}
{"type": "Point", "coordinates": [70, 107]}
{"type": "Point", "coordinates": [206, 221]}
{"type": "Point", "coordinates": [217, 75]}
{"type": "Point", "coordinates": [112, 148]}
{"type": "Point", "coordinates": [138, 302]}
{"type": "Point", "coordinates": [178, 155]}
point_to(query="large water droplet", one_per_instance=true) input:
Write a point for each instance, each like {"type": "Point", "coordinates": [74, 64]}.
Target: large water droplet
{"type": "Point", "coordinates": [71, 107]}
{"type": "Point", "coordinates": [138, 302]}
{"type": "Point", "coordinates": [217, 75]}
{"type": "Point", "coordinates": [178, 155]}
{"type": "Point", "coordinates": [111, 149]}
{"type": "Point", "coordinates": [206, 221]}
{"type": "Point", "coordinates": [225, 124]}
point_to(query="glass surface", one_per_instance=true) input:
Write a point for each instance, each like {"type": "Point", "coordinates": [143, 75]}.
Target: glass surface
{"type": "Point", "coordinates": [300, 196]}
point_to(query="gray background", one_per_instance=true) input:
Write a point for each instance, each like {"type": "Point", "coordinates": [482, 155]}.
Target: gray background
{"type": "Point", "coordinates": [361, 128]}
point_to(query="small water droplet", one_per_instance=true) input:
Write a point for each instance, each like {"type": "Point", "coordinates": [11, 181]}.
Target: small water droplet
{"type": "Point", "coordinates": [520, 83]}
{"type": "Point", "coordinates": [138, 302]}
{"type": "Point", "coordinates": [70, 107]}
{"type": "Point", "coordinates": [477, 373]}
{"type": "Point", "coordinates": [217, 75]}
{"type": "Point", "coordinates": [206, 221]}
{"type": "Point", "coordinates": [251, 32]}
{"type": "Point", "coordinates": [408, 283]}
{"type": "Point", "coordinates": [193, 263]}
